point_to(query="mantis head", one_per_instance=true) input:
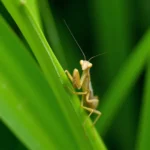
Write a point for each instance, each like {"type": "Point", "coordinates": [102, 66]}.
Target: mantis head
{"type": "Point", "coordinates": [85, 64]}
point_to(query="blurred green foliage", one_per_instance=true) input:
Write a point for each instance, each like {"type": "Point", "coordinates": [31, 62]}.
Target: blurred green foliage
{"type": "Point", "coordinates": [120, 77]}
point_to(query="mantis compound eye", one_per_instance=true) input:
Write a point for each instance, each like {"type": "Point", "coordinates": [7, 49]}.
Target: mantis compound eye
{"type": "Point", "coordinates": [89, 65]}
{"type": "Point", "coordinates": [81, 62]}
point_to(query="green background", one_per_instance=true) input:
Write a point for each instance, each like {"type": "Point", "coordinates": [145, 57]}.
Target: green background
{"type": "Point", "coordinates": [37, 111]}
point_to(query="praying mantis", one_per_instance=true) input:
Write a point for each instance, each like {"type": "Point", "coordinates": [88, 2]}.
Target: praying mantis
{"type": "Point", "coordinates": [89, 101]}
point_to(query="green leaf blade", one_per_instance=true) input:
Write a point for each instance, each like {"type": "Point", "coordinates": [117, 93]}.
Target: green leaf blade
{"type": "Point", "coordinates": [115, 96]}
{"type": "Point", "coordinates": [144, 132]}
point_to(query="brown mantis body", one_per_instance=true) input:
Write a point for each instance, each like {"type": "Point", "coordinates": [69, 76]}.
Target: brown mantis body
{"type": "Point", "coordinates": [89, 102]}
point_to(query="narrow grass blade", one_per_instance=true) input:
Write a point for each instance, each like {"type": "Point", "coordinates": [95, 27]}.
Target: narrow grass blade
{"type": "Point", "coordinates": [144, 132]}
{"type": "Point", "coordinates": [33, 6]}
{"type": "Point", "coordinates": [21, 98]}
{"type": "Point", "coordinates": [121, 86]}
{"type": "Point", "coordinates": [51, 31]}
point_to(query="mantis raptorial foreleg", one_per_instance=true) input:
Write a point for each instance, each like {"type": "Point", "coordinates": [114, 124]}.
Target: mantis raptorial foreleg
{"type": "Point", "coordinates": [75, 79]}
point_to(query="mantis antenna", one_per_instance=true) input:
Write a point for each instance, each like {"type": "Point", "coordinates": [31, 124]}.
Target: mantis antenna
{"type": "Point", "coordinates": [75, 39]}
{"type": "Point", "coordinates": [96, 56]}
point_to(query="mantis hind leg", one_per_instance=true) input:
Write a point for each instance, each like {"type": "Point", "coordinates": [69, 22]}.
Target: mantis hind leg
{"type": "Point", "coordinates": [76, 93]}
{"type": "Point", "coordinates": [91, 112]}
